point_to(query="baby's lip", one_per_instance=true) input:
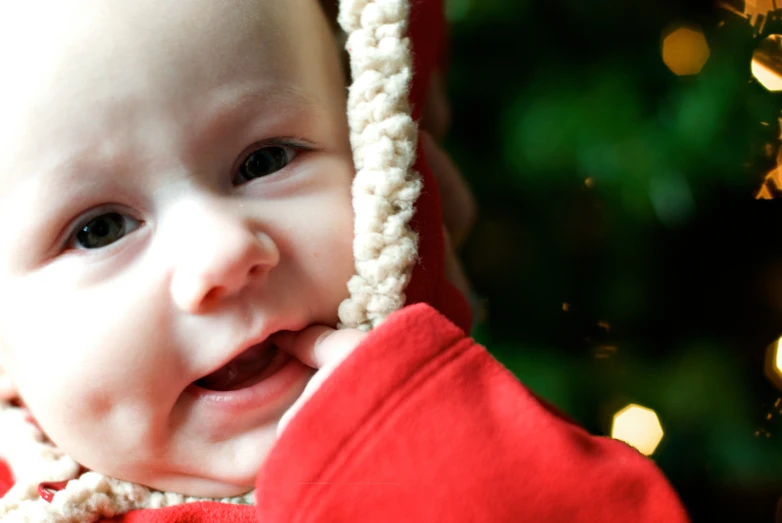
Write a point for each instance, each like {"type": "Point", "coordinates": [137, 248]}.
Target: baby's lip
{"type": "Point", "coordinates": [263, 340]}
{"type": "Point", "coordinates": [243, 371]}
{"type": "Point", "coordinates": [241, 350]}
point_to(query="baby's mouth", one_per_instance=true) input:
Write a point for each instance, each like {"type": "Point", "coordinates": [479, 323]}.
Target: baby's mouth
{"type": "Point", "coordinates": [250, 367]}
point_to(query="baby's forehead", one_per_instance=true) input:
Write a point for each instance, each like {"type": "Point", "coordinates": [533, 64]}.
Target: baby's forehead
{"type": "Point", "coordinates": [38, 33]}
{"type": "Point", "coordinates": [55, 51]}
{"type": "Point", "coordinates": [31, 29]}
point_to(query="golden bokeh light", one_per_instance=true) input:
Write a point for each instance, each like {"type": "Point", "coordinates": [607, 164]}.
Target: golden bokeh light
{"type": "Point", "coordinates": [778, 360]}
{"type": "Point", "coordinates": [756, 12]}
{"type": "Point", "coordinates": [685, 51]}
{"type": "Point", "coordinates": [774, 363]}
{"type": "Point", "coordinates": [767, 63]}
{"type": "Point", "coordinates": [771, 186]}
{"type": "Point", "coordinates": [772, 182]}
{"type": "Point", "coordinates": [639, 427]}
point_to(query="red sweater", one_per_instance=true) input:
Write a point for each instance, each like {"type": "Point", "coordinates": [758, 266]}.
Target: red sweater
{"type": "Point", "coordinates": [421, 424]}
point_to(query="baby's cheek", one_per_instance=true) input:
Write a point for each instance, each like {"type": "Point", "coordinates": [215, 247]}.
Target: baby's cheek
{"type": "Point", "coordinates": [54, 407]}
{"type": "Point", "coordinates": [104, 435]}
{"type": "Point", "coordinates": [64, 390]}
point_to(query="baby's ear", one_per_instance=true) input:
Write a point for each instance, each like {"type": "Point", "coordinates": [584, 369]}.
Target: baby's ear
{"type": "Point", "coordinates": [7, 388]}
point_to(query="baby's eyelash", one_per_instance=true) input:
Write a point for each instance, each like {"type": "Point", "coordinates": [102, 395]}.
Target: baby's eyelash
{"type": "Point", "coordinates": [263, 160]}
{"type": "Point", "coordinates": [297, 144]}
{"type": "Point", "coordinates": [71, 239]}
{"type": "Point", "coordinates": [294, 143]}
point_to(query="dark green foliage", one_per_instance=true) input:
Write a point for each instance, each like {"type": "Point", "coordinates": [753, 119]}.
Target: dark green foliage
{"type": "Point", "coordinates": [665, 243]}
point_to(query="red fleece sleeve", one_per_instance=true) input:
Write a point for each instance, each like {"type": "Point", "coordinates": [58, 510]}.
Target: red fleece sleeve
{"type": "Point", "coordinates": [422, 424]}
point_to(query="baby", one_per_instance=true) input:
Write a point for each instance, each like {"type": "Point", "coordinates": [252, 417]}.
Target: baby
{"type": "Point", "coordinates": [190, 213]}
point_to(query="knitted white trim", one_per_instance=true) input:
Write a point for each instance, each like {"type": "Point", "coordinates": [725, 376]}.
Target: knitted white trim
{"type": "Point", "coordinates": [384, 138]}
{"type": "Point", "coordinates": [385, 189]}
{"type": "Point", "coordinates": [90, 497]}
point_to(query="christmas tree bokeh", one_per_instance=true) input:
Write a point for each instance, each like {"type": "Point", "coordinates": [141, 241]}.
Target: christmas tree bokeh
{"type": "Point", "coordinates": [629, 246]}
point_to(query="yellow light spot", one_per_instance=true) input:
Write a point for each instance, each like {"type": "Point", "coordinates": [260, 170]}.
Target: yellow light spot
{"type": "Point", "coordinates": [768, 78]}
{"type": "Point", "coordinates": [565, 307]}
{"type": "Point", "coordinates": [767, 63]}
{"type": "Point", "coordinates": [774, 363]}
{"type": "Point", "coordinates": [685, 51]}
{"type": "Point", "coordinates": [757, 12]}
{"type": "Point", "coordinates": [589, 182]}
{"type": "Point", "coordinates": [639, 427]}
{"type": "Point", "coordinates": [771, 186]}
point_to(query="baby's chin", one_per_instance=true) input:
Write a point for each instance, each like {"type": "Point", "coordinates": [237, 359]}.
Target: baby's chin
{"type": "Point", "coordinates": [202, 488]}
{"type": "Point", "coordinates": [208, 474]}
{"type": "Point", "coordinates": [217, 462]}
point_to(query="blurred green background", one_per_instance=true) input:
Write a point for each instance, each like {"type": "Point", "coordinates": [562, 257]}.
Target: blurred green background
{"type": "Point", "coordinates": [607, 183]}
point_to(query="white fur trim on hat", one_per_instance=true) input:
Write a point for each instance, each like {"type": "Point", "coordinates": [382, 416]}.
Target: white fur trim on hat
{"type": "Point", "coordinates": [384, 137]}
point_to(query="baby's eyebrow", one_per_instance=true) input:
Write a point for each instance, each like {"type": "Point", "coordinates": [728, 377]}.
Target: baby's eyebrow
{"type": "Point", "coordinates": [222, 113]}
{"type": "Point", "coordinates": [279, 99]}
{"type": "Point", "coordinates": [68, 175]}
{"type": "Point", "coordinates": [278, 94]}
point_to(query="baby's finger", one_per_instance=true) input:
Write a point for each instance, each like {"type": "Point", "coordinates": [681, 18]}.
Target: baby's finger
{"type": "Point", "coordinates": [301, 344]}
{"type": "Point", "coordinates": [314, 384]}
{"type": "Point", "coordinates": [319, 346]}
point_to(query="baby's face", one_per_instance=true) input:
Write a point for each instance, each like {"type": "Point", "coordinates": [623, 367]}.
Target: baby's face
{"type": "Point", "coordinates": [175, 189]}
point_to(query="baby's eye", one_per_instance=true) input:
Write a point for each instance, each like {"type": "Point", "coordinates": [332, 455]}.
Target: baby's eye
{"type": "Point", "coordinates": [263, 162]}
{"type": "Point", "coordinates": [104, 230]}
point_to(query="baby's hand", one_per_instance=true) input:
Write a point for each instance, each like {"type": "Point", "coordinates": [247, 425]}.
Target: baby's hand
{"type": "Point", "coordinates": [321, 348]}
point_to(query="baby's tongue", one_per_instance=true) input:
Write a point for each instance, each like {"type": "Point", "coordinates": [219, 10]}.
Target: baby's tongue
{"type": "Point", "coordinates": [241, 372]}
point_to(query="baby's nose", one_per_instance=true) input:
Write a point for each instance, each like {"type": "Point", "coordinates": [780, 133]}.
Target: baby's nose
{"type": "Point", "coordinates": [219, 260]}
